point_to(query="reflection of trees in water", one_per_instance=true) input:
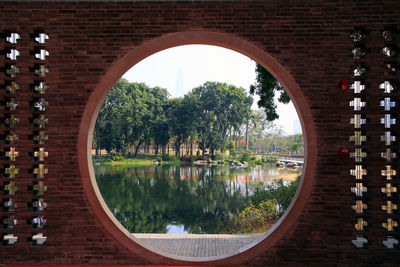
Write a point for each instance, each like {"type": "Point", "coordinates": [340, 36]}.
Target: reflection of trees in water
{"type": "Point", "coordinates": [147, 199]}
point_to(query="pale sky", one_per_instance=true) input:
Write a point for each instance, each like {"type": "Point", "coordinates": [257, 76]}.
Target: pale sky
{"type": "Point", "coordinates": [180, 69]}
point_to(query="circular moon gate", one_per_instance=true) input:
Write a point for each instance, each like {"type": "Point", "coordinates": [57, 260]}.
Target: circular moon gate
{"type": "Point", "coordinates": [118, 68]}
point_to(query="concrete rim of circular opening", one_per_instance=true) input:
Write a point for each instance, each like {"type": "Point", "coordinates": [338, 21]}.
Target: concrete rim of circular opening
{"type": "Point", "coordinates": [118, 68]}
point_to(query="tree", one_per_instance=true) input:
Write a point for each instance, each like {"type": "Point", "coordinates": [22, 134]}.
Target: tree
{"type": "Point", "coordinates": [266, 86]}
{"type": "Point", "coordinates": [294, 147]}
{"type": "Point", "coordinates": [230, 145]}
{"type": "Point", "coordinates": [159, 123]}
{"type": "Point", "coordinates": [103, 130]}
{"type": "Point", "coordinates": [131, 113]}
{"type": "Point", "coordinates": [111, 131]}
{"type": "Point", "coordinates": [222, 107]}
{"type": "Point", "coordinates": [134, 114]}
{"type": "Point", "coordinates": [182, 114]}
{"type": "Point", "coordinates": [261, 132]}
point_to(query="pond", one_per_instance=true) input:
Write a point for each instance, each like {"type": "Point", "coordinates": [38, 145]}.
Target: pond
{"type": "Point", "coordinates": [181, 199]}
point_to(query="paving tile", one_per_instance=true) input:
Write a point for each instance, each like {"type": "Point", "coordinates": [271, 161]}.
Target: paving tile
{"type": "Point", "coordinates": [197, 245]}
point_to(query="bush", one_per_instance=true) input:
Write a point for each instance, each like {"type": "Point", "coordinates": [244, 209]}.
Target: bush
{"type": "Point", "coordinates": [159, 159]}
{"type": "Point", "coordinates": [219, 156]}
{"type": "Point", "coordinates": [101, 158]}
{"type": "Point", "coordinates": [117, 158]}
{"type": "Point", "coordinates": [269, 210]}
{"type": "Point", "coordinates": [231, 147]}
{"type": "Point", "coordinates": [125, 150]}
{"type": "Point", "coordinates": [245, 231]}
{"type": "Point", "coordinates": [270, 158]}
{"type": "Point", "coordinates": [246, 154]}
{"type": "Point", "coordinates": [186, 159]}
{"type": "Point", "coordinates": [166, 157]}
{"type": "Point", "coordinates": [174, 159]}
{"type": "Point", "coordinates": [253, 217]}
{"type": "Point", "coordinates": [279, 191]}
{"type": "Point", "coordinates": [249, 217]}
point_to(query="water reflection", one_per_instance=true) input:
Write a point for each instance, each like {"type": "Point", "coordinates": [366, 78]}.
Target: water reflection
{"type": "Point", "coordinates": [180, 199]}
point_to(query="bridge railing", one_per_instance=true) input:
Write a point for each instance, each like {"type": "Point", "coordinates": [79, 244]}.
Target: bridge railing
{"type": "Point", "coordinates": [292, 159]}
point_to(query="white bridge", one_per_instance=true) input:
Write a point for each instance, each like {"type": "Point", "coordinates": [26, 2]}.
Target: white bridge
{"type": "Point", "coordinates": [297, 160]}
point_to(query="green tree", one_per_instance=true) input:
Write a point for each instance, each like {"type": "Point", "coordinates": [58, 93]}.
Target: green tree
{"type": "Point", "coordinates": [159, 122]}
{"type": "Point", "coordinates": [182, 114]}
{"type": "Point", "coordinates": [222, 107]}
{"type": "Point", "coordinates": [294, 147]}
{"type": "Point", "coordinates": [260, 132]}
{"type": "Point", "coordinates": [230, 145]}
{"type": "Point", "coordinates": [132, 113]}
{"type": "Point", "coordinates": [103, 129]}
{"type": "Point", "coordinates": [266, 86]}
{"type": "Point", "coordinates": [111, 131]}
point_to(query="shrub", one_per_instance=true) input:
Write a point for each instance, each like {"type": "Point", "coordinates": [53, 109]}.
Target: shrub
{"type": "Point", "coordinates": [166, 157]}
{"type": "Point", "coordinates": [246, 154]}
{"type": "Point", "coordinates": [253, 217]}
{"type": "Point", "coordinates": [125, 150]}
{"type": "Point", "coordinates": [117, 158]}
{"type": "Point", "coordinates": [231, 147]}
{"type": "Point", "coordinates": [186, 159]}
{"type": "Point", "coordinates": [245, 231]}
{"type": "Point", "coordinates": [279, 191]}
{"type": "Point", "coordinates": [232, 152]}
{"type": "Point", "coordinates": [174, 159]}
{"type": "Point", "coordinates": [270, 158]}
{"type": "Point", "coordinates": [219, 156]}
{"type": "Point", "coordinates": [269, 210]}
{"type": "Point", "coordinates": [249, 217]}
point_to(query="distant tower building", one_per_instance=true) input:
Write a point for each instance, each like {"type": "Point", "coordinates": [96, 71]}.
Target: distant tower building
{"type": "Point", "coordinates": [179, 89]}
{"type": "Point", "coordinates": [297, 127]}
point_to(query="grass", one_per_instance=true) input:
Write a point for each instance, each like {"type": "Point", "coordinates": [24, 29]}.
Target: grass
{"type": "Point", "coordinates": [120, 160]}
{"type": "Point", "coordinates": [260, 230]}
{"type": "Point", "coordinates": [136, 162]}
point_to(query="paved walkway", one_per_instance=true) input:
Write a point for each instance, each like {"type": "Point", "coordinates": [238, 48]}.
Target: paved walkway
{"type": "Point", "coordinates": [197, 245]}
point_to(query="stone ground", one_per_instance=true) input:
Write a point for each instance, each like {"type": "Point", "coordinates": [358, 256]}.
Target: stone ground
{"type": "Point", "coordinates": [197, 245]}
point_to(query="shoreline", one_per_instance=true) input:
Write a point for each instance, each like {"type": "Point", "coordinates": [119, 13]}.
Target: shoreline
{"type": "Point", "coordinates": [288, 177]}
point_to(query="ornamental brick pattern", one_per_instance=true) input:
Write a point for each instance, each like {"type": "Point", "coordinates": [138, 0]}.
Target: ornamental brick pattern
{"type": "Point", "coordinates": [305, 44]}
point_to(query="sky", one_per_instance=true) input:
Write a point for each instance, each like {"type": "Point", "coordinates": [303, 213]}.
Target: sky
{"type": "Point", "coordinates": [182, 68]}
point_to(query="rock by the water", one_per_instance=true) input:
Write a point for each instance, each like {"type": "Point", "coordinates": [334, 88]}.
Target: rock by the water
{"type": "Point", "coordinates": [234, 163]}
{"type": "Point", "coordinates": [292, 165]}
{"type": "Point", "coordinates": [201, 162]}
{"type": "Point", "coordinates": [208, 162]}
{"type": "Point", "coordinates": [280, 164]}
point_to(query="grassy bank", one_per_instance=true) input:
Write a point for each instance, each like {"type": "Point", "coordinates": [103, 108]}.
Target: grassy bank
{"type": "Point", "coordinates": [168, 159]}
{"type": "Point", "coordinates": [141, 162]}
{"type": "Point", "coordinates": [123, 161]}
{"type": "Point", "coordinates": [149, 161]}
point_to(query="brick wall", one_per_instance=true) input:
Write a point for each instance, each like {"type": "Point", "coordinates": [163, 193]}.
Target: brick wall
{"type": "Point", "coordinates": [310, 39]}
